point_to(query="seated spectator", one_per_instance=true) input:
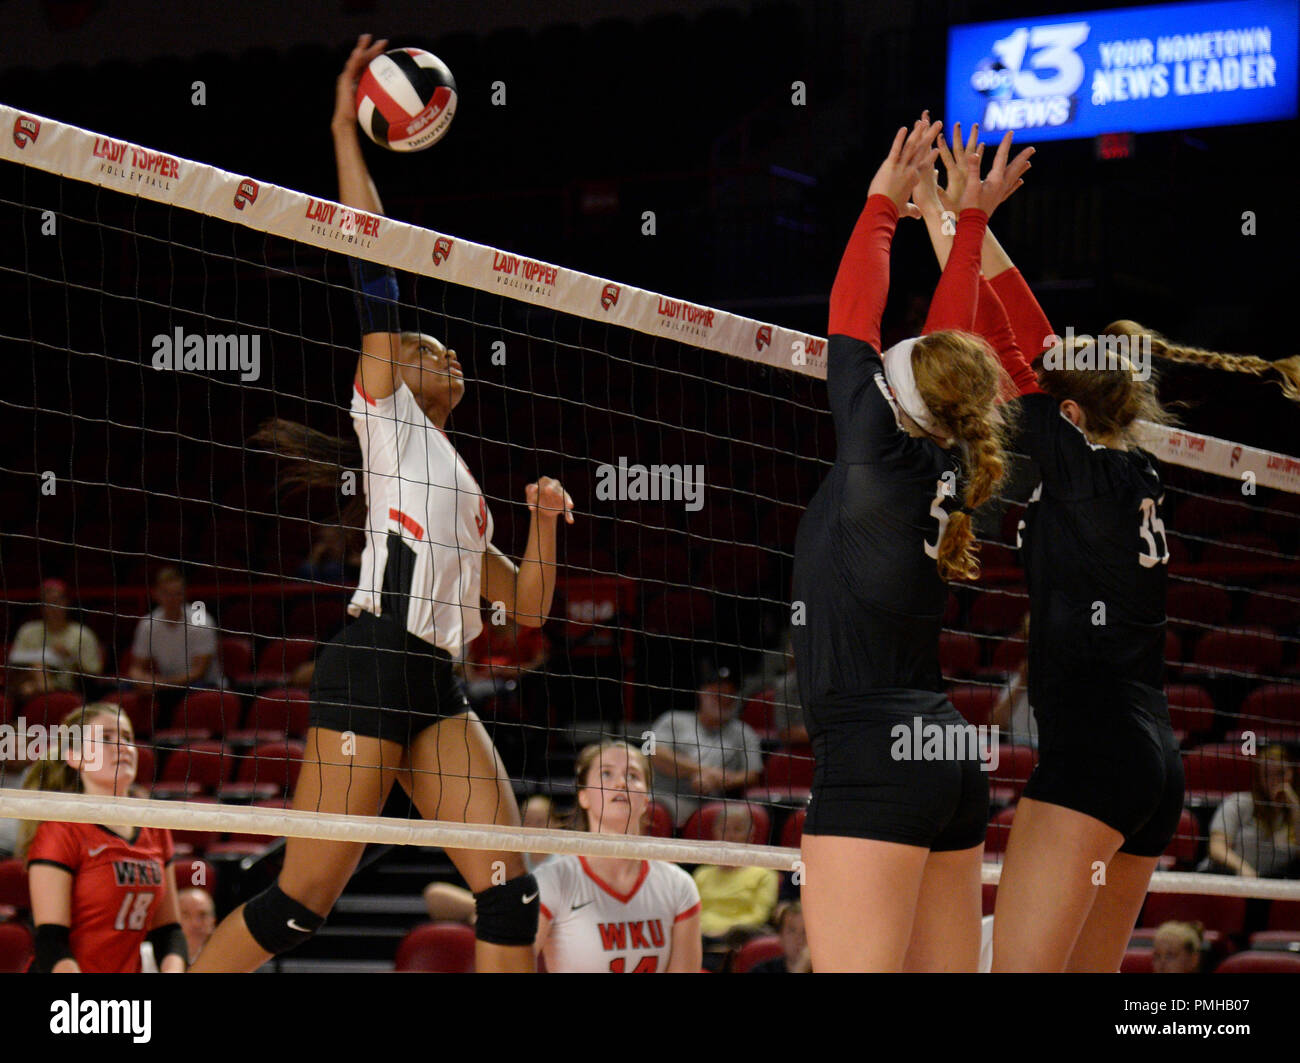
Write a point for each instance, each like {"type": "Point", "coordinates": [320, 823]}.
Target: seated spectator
{"type": "Point", "coordinates": [1178, 948]}
{"type": "Point", "coordinates": [787, 711]}
{"type": "Point", "coordinates": [329, 561]}
{"type": "Point", "coordinates": [706, 753]}
{"type": "Point", "coordinates": [198, 918]}
{"type": "Point", "coordinates": [53, 653]}
{"type": "Point", "coordinates": [735, 898]}
{"type": "Point", "coordinates": [447, 902]}
{"type": "Point", "coordinates": [795, 958]}
{"type": "Point", "coordinates": [1256, 833]}
{"type": "Point", "coordinates": [170, 648]}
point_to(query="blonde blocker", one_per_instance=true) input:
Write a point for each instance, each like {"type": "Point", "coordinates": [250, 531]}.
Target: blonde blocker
{"type": "Point", "coordinates": [962, 384]}
{"type": "Point", "coordinates": [589, 757]}
{"type": "Point", "coordinates": [52, 773]}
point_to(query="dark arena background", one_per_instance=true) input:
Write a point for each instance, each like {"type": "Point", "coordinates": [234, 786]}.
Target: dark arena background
{"type": "Point", "coordinates": [718, 154]}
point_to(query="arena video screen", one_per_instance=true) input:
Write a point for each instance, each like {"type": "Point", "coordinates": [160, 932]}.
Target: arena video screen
{"type": "Point", "coordinates": [1173, 66]}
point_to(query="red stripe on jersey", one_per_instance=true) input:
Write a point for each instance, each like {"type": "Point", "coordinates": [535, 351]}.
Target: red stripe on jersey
{"type": "Point", "coordinates": [406, 522]}
{"type": "Point", "coordinates": [545, 911]}
{"type": "Point", "coordinates": [688, 913]}
{"type": "Point", "coordinates": [362, 392]}
{"type": "Point", "coordinates": [624, 897]}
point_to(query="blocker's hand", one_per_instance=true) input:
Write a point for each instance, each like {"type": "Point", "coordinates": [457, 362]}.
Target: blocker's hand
{"type": "Point", "coordinates": [548, 499]}
{"type": "Point", "coordinates": [345, 93]}
{"type": "Point", "coordinates": [908, 156]}
{"type": "Point", "coordinates": [1004, 177]}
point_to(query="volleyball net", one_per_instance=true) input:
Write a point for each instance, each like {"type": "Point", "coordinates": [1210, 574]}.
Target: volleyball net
{"type": "Point", "coordinates": [168, 310]}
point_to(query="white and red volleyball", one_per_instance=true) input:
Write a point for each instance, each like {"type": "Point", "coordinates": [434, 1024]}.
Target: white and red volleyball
{"type": "Point", "coordinates": [406, 99]}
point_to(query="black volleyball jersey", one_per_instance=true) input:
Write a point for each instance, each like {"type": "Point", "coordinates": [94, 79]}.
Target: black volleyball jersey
{"type": "Point", "coordinates": [1096, 558]}
{"type": "Point", "coordinates": [864, 562]}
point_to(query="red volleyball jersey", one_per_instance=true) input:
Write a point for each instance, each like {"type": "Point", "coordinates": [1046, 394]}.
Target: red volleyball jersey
{"type": "Point", "coordinates": [117, 885]}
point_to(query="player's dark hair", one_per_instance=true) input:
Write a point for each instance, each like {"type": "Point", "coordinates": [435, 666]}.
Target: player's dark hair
{"type": "Point", "coordinates": [311, 458]}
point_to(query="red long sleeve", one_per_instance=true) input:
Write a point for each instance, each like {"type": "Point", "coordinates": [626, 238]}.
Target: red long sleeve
{"type": "Point", "coordinates": [993, 323]}
{"type": "Point", "coordinates": [953, 305]}
{"type": "Point", "coordinates": [1028, 321]}
{"type": "Point", "coordinates": [862, 283]}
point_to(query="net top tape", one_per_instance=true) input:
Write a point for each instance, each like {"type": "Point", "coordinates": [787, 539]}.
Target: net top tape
{"type": "Point", "coordinates": [74, 153]}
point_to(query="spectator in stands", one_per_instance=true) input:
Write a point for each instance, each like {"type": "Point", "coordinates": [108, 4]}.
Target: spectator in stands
{"type": "Point", "coordinates": [198, 917]}
{"type": "Point", "coordinates": [1177, 948]}
{"type": "Point", "coordinates": [1256, 833]}
{"type": "Point", "coordinates": [707, 753]}
{"type": "Point", "coordinates": [329, 560]}
{"type": "Point", "coordinates": [735, 902]}
{"type": "Point", "coordinates": [447, 902]}
{"type": "Point", "coordinates": [175, 645]}
{"type": "Point", "coordinates": [1012, 713]}
{"type": "Point", "coordinates": [53, 653]}
{"type": "Point", "coordinates": [795, 958]}
{"type": "Point", "coordinates": [98, 893]}
{"type": "Point", "coordinates": [787, 713]}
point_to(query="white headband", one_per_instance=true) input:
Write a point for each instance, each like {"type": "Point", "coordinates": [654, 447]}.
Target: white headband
{"type": "Point", "coordinates": [902, 381]}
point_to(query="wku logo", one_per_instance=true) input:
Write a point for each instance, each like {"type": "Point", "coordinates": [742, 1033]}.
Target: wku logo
{"type": "Point", "coordinates": [246, 194]}
{"type": "Point", "coordinates": [441, 250]}
{"type": "Point", "coordinates": [763, 337]}
{"type": "Point", "coordinates": [25, 130]}
{"type": "Point", "coordinates": [480, 521]}
{"type": "Point", "coordinates": [609, 297]}
{"type": "Point", "coordinates": [632, 935]}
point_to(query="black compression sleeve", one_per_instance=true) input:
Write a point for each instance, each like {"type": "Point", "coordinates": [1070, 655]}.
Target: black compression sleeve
{"type": "Point", "coordinates": [167, 941]}
{"type": "Point", "coordinates": [51, 946]}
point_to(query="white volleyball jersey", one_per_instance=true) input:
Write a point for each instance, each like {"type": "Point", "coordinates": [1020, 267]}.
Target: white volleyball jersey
{"type": "Point", "coordinates": [595, 929]}
{"type": "Point", "coordinates": [421, 503]}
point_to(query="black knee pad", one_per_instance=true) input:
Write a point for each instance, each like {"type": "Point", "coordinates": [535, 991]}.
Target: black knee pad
{"type": "Point", "coordinates": [507, 914]}
{"type": "Point", "coordinates": [278, 922]}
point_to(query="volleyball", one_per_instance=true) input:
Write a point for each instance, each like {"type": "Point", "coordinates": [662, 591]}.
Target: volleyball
{"type": "Point", "coordinates": [406, 99]}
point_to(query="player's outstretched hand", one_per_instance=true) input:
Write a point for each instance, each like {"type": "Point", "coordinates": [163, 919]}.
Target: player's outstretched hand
{"type": "Point", "coordinates": [908, 156]}
{"type": "Point", "coordinates": [345, 107]}
{"type": "Point", "coordinates": [548, 499]}
{"type": "Point", "coordinates": [1004, 177]}
{"type": "Point", "coordinates": [954, 163]}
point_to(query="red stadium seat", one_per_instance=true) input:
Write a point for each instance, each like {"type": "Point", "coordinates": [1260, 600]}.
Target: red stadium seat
{"type": "Point", "coordinates": [1136, 961]}
{"type": "Point", "coordinates": [1191, 710]}
{"type": "Point", "coordinates": [1008, 656]}
{"type": "Point", "coordinates": [194, 873]}
{"type": "Point", "coordinates": [996, 613]}
{"type": "Point", "coordinates": [16, 948]}
{"type": "Point", "coordinates": [203, 714]}
{"type": "Point", "coordinates": [137, 704]}
{"type": "Point", "coordinates": [755, 951]}
{"type": "Point", "coordinates": [280, 657]}
{"type": "Point", "coordinates": [959, 653]}
{"type": "Point", "coordinates": [974, 701]}
{"type": "Point", "coordinates": [1198, 602]}
{"type": "Point", "coordinates": [1276, 941]}
{"type": "Point", "coordinates": [1274, 605]}
{"type": "Point", "coordinates": [1185, 847]}
{"type": "Point", "coordinates": [792, 831]}
{"type": "Point", "coordinates": [206, 764]}
{"type": "Point", "coordinates": [1218, 768]}
{"type": "Point", "coordinates": [659, 822]}
{"type": "Point", "coordinates": [703, 821]}
{"type": "Point", "coordinates": [757, 711]}
{"type": "Point", "coordinates": [47, 710]}
{"type": "Point", "coordinates": [988, 897]}
{"type": "Point", "coordinates": [995, 841]}
{"type": "Point", "coordinates": [1260, 963]}
{"type": "Point", "coordinates": [1224, 914]}
{"type": "Point", "coordinates": [250, 617]}
{"type": "Point", "coordinates": [1246, 548]}
{"type": "Point", "coordinates": [237, 658]}
{"type": "Point", "coordinates": [1258, 652]}
{"type": "Point", "coordinates": [791, 767]}
{"type": "Point", "coordinates": [283, 710]}
{"type": "Point", "coordinates": [1015, 765]}
{"type": "Point", "coordinates": [146, 766]}
{"type": "Point", "coordinates": [13, 885]}
{"type": "Point", "coordinates": [1273, 703]}
{"type": "Point", "coordinates": [316, 618]}
{"type": "Point", "coordinates": [437, 948]}
{"type": "Point", "coordinates": [1213, 516]}
{"type": "Point", "coordinates": [1284, 915]}
{"type": "Point", "coordinates": [273, 762]}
